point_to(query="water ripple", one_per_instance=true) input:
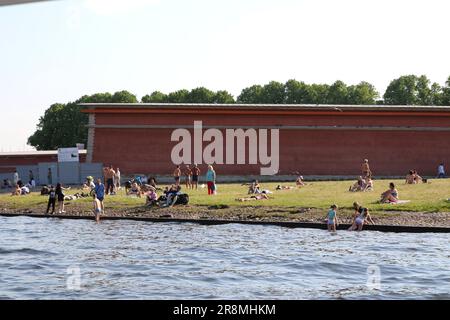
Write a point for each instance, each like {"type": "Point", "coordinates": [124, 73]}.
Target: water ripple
{"type": "Point", "coordinates": [138, 260]}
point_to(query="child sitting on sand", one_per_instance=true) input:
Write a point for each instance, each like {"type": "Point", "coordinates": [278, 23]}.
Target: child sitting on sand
{"type": "Point", "coordinates": [332, 219]}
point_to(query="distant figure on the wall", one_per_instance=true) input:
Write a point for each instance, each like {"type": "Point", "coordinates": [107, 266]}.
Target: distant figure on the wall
{"type": "Point", "coordinates": [441, 171]}
{"type": "Point", "coordinates": [365, 168]}
{"type": "Point", "coordinates": [49, 177]}
{"type": "Point", "coordinates": [16, 177]}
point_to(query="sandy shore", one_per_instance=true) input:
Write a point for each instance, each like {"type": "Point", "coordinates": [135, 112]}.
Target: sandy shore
{"type": "Point", "coordinates": [254, 213]}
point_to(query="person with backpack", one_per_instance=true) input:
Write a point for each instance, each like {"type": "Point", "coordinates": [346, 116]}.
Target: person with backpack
{"type": "Point", "coordinates": [51, 200]}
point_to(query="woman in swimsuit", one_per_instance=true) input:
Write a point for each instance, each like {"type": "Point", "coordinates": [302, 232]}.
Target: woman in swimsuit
{"type": "Point", "coordinates": [361, 216]}
{"type": "Point", "coordinates": [390, 195]}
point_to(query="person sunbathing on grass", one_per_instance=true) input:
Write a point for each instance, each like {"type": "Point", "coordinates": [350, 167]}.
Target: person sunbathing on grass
{"type": "Point", "coordinates": [135, 189]}
{"type": "Point", "coordinates": [280, 187]}
{"type": "Point", "coordinates": [299, 182]}
{"type": "Point", "coordinates": [368, 183]}
{"type": "Point", "coordinates": [17, 191]}
{"type": "Point", "coordinates": [410, 177]}
{"type": "Point", "coordinates": [390, 195]}
{"type": "Point", "coordinates": [417, 178]}
{"type": "Point", "coordinates": [253, 187]}
{"type": "Point", "coordinates": [261, 196]}
{"type": "Point", "coordinates": [357, 186]}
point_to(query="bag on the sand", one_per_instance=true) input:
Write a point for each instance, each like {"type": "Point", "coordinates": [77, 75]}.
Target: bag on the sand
{"type": "Point", "coordinates": [183, 199]}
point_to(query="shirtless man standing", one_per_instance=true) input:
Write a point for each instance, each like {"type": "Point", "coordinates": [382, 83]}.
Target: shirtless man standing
{"type": "Point", "coordinates": [176, 175]}
{"type": "Point", "coordinates": [365, 168]}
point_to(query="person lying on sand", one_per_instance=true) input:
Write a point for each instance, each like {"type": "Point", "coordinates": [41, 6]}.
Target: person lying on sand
{"type": "Point", "coordinates": [261, 196]}
{"type": "Point", "coordinates": [390, 195]}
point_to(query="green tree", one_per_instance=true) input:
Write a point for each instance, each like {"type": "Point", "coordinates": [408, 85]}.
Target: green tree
{"type": "Point", "coordinates": [445, 98]}
{"type": "Point", "coordinates": [251, 94]}
{"type": "Point", "coordinates": [123, 97]}
{"type": "Point", "coordinates": [409, 90]}
{"type": "Point", "coordinates": [363, 93]}
{"type": "Point", "coordinates": [64, 125]}
{"type": "Point", "coordinates": [297, 92]}
{"type": "Point", "coordinates": [200, 95]}
{"type": "Point", "coordinates": [180, 96]}
{"type": "Point", "coordinates": [318, 93]}
{"type": "Point", "coordinates": [223, 96]}
{"type": "Point", "coordinates": [337, 93]}
{"type": "Point", "coordinates": [155, 97]}
{"type": "Point", "coordinates": [273, 92]}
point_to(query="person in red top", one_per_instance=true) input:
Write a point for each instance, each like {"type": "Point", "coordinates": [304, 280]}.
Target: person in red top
{"type": "Point", "coordinates": [195, 174]}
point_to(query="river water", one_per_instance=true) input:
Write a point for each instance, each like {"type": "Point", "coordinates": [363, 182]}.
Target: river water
{"type": "Point", "coordinates": [78, 259]}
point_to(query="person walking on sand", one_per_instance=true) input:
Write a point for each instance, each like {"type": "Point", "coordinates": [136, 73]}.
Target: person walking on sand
{"type": "Point", "coordinates": [195, 175]}
{"type": "Point", "coordinates": [211, 180]}
{"type": "Point", "coordinates": [100, 193]}
{"type": "Point", "coordinates": [188, 174]}
{"type": "Point", "coordinates": [98, 205]}
{"type": "Point", "coordinates": [332, 220]}
{"type": "Point", "coordinates": [365, 168]}
{"type": "Point", "coordinates": [176, 175]}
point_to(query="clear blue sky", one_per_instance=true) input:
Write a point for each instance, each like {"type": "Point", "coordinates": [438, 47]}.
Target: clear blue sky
{"type": "Point", "coordinates": [57, 51]}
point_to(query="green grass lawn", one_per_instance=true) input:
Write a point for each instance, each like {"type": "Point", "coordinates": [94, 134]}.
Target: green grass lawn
{"type": "Point", "coordinates": [430, 197]}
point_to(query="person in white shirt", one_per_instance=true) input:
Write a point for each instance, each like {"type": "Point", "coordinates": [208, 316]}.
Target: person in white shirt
{"type": "Point", "coordinates": [117, 179]}
{"type": "Point", "coordinates": [441, 171]}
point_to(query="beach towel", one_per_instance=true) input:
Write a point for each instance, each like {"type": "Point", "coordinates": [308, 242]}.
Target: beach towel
{"type": "Point", "coordinates": [400, 202]}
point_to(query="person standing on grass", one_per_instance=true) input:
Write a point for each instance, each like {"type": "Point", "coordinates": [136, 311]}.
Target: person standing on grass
{"type": "Point", "coordinates": [365, 168]}
{"type": "Point", "coordinates": [117, 179]}
{"type": "Point", "coordinates": [332, 220]}
{"type": "Point", "coordinates": [441, 171]}
{"type": "Point", "coordinates": [100, 193]}
{"type": "Point", "coordinates": [110, 173]}
{"type": "Point", "coordinates": [211, 180]}
{"type": "Point", "coordinates": [98, 205]}
{"type": "Point", "coordinates": [51, 200]}
{"type": "Point", "coordinates": [188, 174]}
{"type": "Point", "coordinates": [176, 175]}
{"type": "Point", "coordinates": [195, 175]}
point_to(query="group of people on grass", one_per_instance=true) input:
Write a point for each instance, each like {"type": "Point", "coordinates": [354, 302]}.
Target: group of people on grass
{"type": "Point", "coordinates": [192, 176]}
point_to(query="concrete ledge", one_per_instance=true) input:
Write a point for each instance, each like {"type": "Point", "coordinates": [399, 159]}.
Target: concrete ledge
{"type": "Point", "coordinates": [311, 225]}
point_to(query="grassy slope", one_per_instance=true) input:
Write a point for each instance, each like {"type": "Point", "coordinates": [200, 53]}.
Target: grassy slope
{"type": "Point", "coordinates": [429, 197]}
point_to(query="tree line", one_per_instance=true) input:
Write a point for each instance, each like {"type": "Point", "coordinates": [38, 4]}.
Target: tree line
{"type": "Point", "coordinates": [64, 125]}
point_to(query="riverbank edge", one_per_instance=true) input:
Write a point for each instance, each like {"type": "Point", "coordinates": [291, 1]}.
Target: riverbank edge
{"type": "Point", "coordinates": [286, 224]}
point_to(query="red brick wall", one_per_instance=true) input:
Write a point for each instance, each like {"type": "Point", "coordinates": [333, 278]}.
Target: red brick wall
{"type": "Point", "coordinates": [312, 152]}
